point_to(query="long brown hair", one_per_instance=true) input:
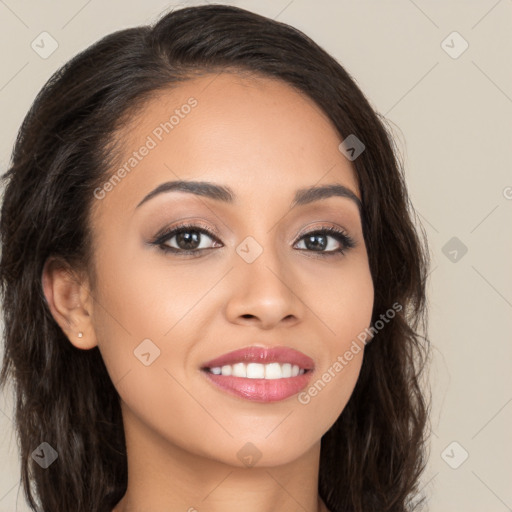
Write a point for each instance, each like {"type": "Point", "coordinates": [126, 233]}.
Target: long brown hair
{"type": "Point", "coordinates": [374, 454]}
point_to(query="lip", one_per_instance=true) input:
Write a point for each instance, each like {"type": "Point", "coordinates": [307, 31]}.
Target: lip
{"type": "Point", "coordinates": [261, 390]}
{"type": "Point", "coordinates": [263, 355]}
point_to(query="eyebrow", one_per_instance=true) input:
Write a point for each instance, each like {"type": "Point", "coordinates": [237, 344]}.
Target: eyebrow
{"type": "Point", "coordinates": [225, 194]}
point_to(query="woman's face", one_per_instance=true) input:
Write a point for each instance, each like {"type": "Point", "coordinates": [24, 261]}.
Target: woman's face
{"type": "Point", "coordinates": [159, 315]}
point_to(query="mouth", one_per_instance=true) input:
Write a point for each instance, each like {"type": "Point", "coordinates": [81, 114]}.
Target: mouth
{"type": "Point", "coordinates": [260, 374]}
{"type": "Point", "coordinates": [269, 371]}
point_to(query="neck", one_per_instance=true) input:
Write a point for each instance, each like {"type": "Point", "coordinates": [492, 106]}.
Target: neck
{"type": "Point", "coordinates": [163, 476]}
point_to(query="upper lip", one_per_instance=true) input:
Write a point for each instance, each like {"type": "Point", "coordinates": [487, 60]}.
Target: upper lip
{"type": "Point", "coordinates": [263, 355]}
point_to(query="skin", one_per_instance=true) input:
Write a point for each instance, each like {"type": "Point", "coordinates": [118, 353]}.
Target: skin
{"type": "Point", "coordinates": [264, 140]}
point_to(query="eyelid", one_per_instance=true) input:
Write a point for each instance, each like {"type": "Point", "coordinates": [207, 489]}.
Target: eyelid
{"type": "Point", "coordinates": [191, 223]}
{"type": "Point", "coordinates": [323, 225]}
{"type": "Point", "coordinates": [337, 232]}
{"type": "Point", "coordinates": [186, 224]}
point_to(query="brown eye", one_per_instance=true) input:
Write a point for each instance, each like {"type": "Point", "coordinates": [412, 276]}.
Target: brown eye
{"type": "Point", "coordinates": [185, 239]}
{"type": "Point", "coordinates": [318, 241]}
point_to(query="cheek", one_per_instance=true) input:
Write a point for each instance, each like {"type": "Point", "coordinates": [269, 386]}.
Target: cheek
{"type": "Point", "coordinates": [141, 302]}
{"type": "Point", "coordinates": [141, 299]}
{"type": "Point", "coordinates": [351, 308]}
{"type": "Point", "coordinates": [342, 299]}
{"type": "Point", "coordinates": [145, 297]}
{"type": "Point", "coordinates": [345, 307]}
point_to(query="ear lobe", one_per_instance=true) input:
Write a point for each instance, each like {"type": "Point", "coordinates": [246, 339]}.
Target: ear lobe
{"type": "Point", "coordinates": [66, 297]}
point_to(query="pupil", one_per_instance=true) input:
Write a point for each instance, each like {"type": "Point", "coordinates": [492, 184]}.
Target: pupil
{"type": "Point", "coordinates": [190, 239]}
{"type": "Point", "coordinates": [313, 245]}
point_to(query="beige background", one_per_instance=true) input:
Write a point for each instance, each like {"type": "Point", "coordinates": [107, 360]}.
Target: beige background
{"type": "Point", "coordinates": [453, 120]}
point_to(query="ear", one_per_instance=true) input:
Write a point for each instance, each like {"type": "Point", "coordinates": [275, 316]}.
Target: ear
{"type": "Point", "coordinates": [70, 302]}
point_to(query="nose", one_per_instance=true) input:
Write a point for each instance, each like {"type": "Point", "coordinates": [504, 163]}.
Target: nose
{"type": "Point", "coordinates": [265, 293]}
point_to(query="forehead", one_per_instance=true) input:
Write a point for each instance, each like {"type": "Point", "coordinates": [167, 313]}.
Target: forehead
{"type": "Point", "coordinates": [259, 135]}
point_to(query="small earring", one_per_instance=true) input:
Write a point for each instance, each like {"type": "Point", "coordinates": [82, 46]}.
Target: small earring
{"type": "Point", "coordinates": [80, 334]}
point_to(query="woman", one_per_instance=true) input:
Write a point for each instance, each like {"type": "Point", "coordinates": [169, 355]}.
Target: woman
{"type": "Point", "coordinates": [212, 283]}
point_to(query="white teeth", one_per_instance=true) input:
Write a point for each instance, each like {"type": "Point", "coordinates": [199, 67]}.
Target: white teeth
{"type": "Point", "coordinates": [269, 371]}
{"type": "Point", "coordinates": [239, 370]}
{"type": "Point", "coordinates": [287, 370]}
{"type": "Point", "coordinates": [255, 371]}
{"type": "Point", "coordinates": [226, 370]}
{"type": "Point", "coordinates": [273, 371]}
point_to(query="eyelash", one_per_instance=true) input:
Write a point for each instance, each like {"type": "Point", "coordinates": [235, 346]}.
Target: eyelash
{"type": "Point", "coordinates": [346, 241]}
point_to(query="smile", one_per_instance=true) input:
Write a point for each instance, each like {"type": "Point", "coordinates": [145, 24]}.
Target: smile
{"type": "Point", "coordinates": [260, 374]}
{"type": "Point", "coordinates": [259, 371]}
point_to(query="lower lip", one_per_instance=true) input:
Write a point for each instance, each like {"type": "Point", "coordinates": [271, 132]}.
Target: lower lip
{"type": "Point", "coordinates": [260, 390]}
